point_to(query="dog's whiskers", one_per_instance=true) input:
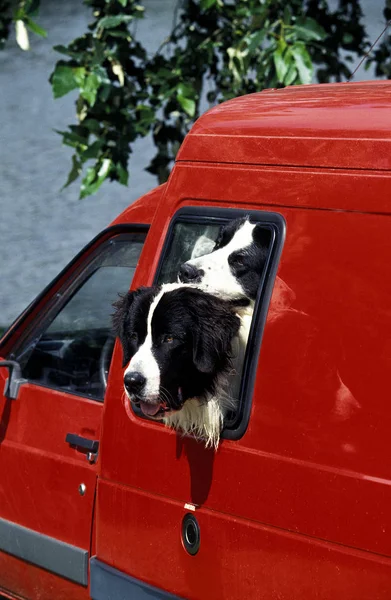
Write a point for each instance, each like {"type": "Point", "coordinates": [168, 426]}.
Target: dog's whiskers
{"type": "Point", "coordinates": [165, 395]}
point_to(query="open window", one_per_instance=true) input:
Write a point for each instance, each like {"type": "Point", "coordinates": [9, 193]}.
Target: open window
{"type": "Point", "coordinates": [71, 345]}
{"type": "Point", "coordinates": [193, 233]}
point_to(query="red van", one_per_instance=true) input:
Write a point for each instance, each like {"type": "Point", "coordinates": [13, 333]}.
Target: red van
{"type": "Point", "coordinates": [98, 502]}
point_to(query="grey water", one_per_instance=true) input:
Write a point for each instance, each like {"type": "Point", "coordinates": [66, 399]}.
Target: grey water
{"type": "Point", "coordinates": [41, 228]}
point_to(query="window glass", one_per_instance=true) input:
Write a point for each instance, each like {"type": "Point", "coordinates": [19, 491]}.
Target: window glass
{"type": "Point", "coordinates": [189, 240]}
{"type": "Point", "coordinates": [73, 352]}
{"type": "Point", "coordinates": [193, 236]}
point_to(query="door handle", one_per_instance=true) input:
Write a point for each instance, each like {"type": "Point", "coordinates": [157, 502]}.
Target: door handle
{"type": "Point", "coordinates": [82, 443]}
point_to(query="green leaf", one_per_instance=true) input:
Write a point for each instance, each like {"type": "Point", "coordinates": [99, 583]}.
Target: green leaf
{"type": "Point", "coordinates": [123, 2]}
{"type": "Point", "coordinates": [367, 65]}
{"type": "Point", "coordinates": [74, 172]}
{"type": "Point", "coordinates": [287, 15]}
{"type": "Point", "coordinates": [206, 4]}
{"type": "Point", "coordinates": [347, 38]}
{"type": "Point", "coordinates": [140, 11]}
{"type": "Point", "coordinates": [308, 29]}
{"type": "Point", "coordinates": [122, 174]}
{"type": "Point", "coordinates": [146, 116]}
{"type": "Point", "coordinates": [79, 56]}
{"type": "Point", "coordinates": [120, 34]}
{"type": "Point", "coordinates": [92, 125]}
{"type": "Point", "coordinates": [35, 28]}
{"type": "Point", "coordinates": [114, 21]}
{"type": "Point", "coordinates": [280, 63]}
{"type": "Point", "coordinates": [94, 178]}
{"type": "Point", "coordinates": [303, 62]}
{"type": "Point", "coordinates": [61, 49]}
{"type": "Point", "coordinates": [65, 79]}
{"type": "Point", "coordinates": [235, 64]}
{"type": "Point", "coordinates": [188, 105]}
{"type": "Point", "coordinates": [104, 92]}
{"type": "Point", "coordinates": [184, 89]}
{"type": "Point", "coordinates": [255, 40]}
{"type": "Point", "coordinates": [290, 75]}
{"type": "Point", "coordinates": [92, 151]}
{"type": "Point", "coordinates": [90, 88]}
{"type": "Point", "coordinates": [73, 139]}
{"type": "Point", "coordinates": [185, 95]}
{"type": "Point", "coordinates": [31, 7]}
{"type": "Point", "coordinates": [19, 15]}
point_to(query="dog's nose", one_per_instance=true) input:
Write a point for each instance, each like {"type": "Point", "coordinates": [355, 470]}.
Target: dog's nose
{"type": "Point", "coordinates": [189, 274]}
{"type": "Point", "coordinates": [134, 382]}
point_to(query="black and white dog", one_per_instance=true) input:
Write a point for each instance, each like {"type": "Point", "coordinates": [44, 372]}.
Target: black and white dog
{"type": "Point", "coordinates": [234, 268]}
{"type": "Point", "coordinates": [186, 342]}
{"type": "Point", "coordinates": [176, 342]}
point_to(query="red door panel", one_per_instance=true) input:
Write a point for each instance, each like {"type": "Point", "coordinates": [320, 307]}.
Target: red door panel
{"type": "Point", "coordinates": [238, 558]}
{"type": "Point", "coordinates": [40, 473]}
{"type": "Point", "coordinates": [63, 344]}
{"type": "Point", "coordinates": [314, 459]}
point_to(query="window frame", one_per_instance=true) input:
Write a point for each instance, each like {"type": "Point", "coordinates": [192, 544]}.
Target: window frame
{"type": "Point", "coordinates": [60, 291]}
{"type": "Point", "coordinates": [236, 428]}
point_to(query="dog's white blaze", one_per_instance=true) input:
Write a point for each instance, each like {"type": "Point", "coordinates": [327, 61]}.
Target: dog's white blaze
{"type": "Point", "coordinates": [144, 361]}
{"type": "Point", "coordinates": [218, 278]}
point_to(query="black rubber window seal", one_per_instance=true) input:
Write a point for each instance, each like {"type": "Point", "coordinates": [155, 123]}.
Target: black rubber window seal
{"type": "Point", "coordinates": [236, 427]}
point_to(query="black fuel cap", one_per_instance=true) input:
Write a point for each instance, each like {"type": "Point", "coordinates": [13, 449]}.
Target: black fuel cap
{"type": "Point", "coordinates": [191, 537]}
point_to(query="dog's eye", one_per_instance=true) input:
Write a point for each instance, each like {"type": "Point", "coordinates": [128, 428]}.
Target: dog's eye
{"type": "Point", "coordinates": [133, 337]}
{"type": "Point", "coordinates": [168, 339]}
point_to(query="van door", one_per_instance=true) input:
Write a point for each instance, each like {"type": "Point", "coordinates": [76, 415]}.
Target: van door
{"type": "Point", "coordinates": [50, 420]}
{"type": "Point", "coordinates": [296, 505]}
{"type": "Point", "coordinates": [156, 486]}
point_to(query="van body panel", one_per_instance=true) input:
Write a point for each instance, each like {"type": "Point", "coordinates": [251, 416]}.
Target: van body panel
{"type": "Point", "coordinates": [267, 187]}
{"type": "Point", "coordinates": [143, 209]}
{"type": "Point", "coordinates": [344, 126]}
{"type": "Point", "coordinates": [237, 558]}
{"type": "Point", "coordinates": [312, 461]}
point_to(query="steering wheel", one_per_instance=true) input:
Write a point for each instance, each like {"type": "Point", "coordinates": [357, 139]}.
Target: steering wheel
{"type": "Point", "coordinates": [105, 359]}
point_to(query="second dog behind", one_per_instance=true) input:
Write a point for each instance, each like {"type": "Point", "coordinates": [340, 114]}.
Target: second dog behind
{"type": "Point", "coordinates": [234, 268]}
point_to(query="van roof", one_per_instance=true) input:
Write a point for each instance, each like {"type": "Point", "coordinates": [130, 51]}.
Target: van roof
{"type": "Point", "coordinates": [343, 125]}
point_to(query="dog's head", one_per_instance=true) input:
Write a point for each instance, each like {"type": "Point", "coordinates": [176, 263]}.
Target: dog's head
{"type": "Point", "coordinates": [233, 269]}
{"type": "Point", "coordinates": [176, 342]}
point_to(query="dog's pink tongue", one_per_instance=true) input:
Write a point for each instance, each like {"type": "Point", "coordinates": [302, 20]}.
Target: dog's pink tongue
{"type": "Point", "coordinates": [149, 410]}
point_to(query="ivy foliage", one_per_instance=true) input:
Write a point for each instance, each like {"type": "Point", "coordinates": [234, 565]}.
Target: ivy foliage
{"type": "Point", "coordinates": [5, 21]}
{"type": "Point", "coordinates": [217, 49]}
{"type": "Point", "coordinates": [23, 15]}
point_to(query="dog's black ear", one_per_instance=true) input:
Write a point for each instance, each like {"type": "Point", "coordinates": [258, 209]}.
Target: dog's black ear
{"type": "Point", "coordinates": [261, 236]}
{"type": "Point", "coordinates": [122, 307]}
{"type": "Point", "coordinates": [131, 312]}
{"type": "Point", "coordinates": [227, 232]}
{"type": "Point", "coordinates": [212, 338]}
{"type": "Point", "coordinates": [120, 321]}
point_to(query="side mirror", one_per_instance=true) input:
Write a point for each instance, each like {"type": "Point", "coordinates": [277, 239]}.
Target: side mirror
{"type": "Point", "coordinates": [14, 380]}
